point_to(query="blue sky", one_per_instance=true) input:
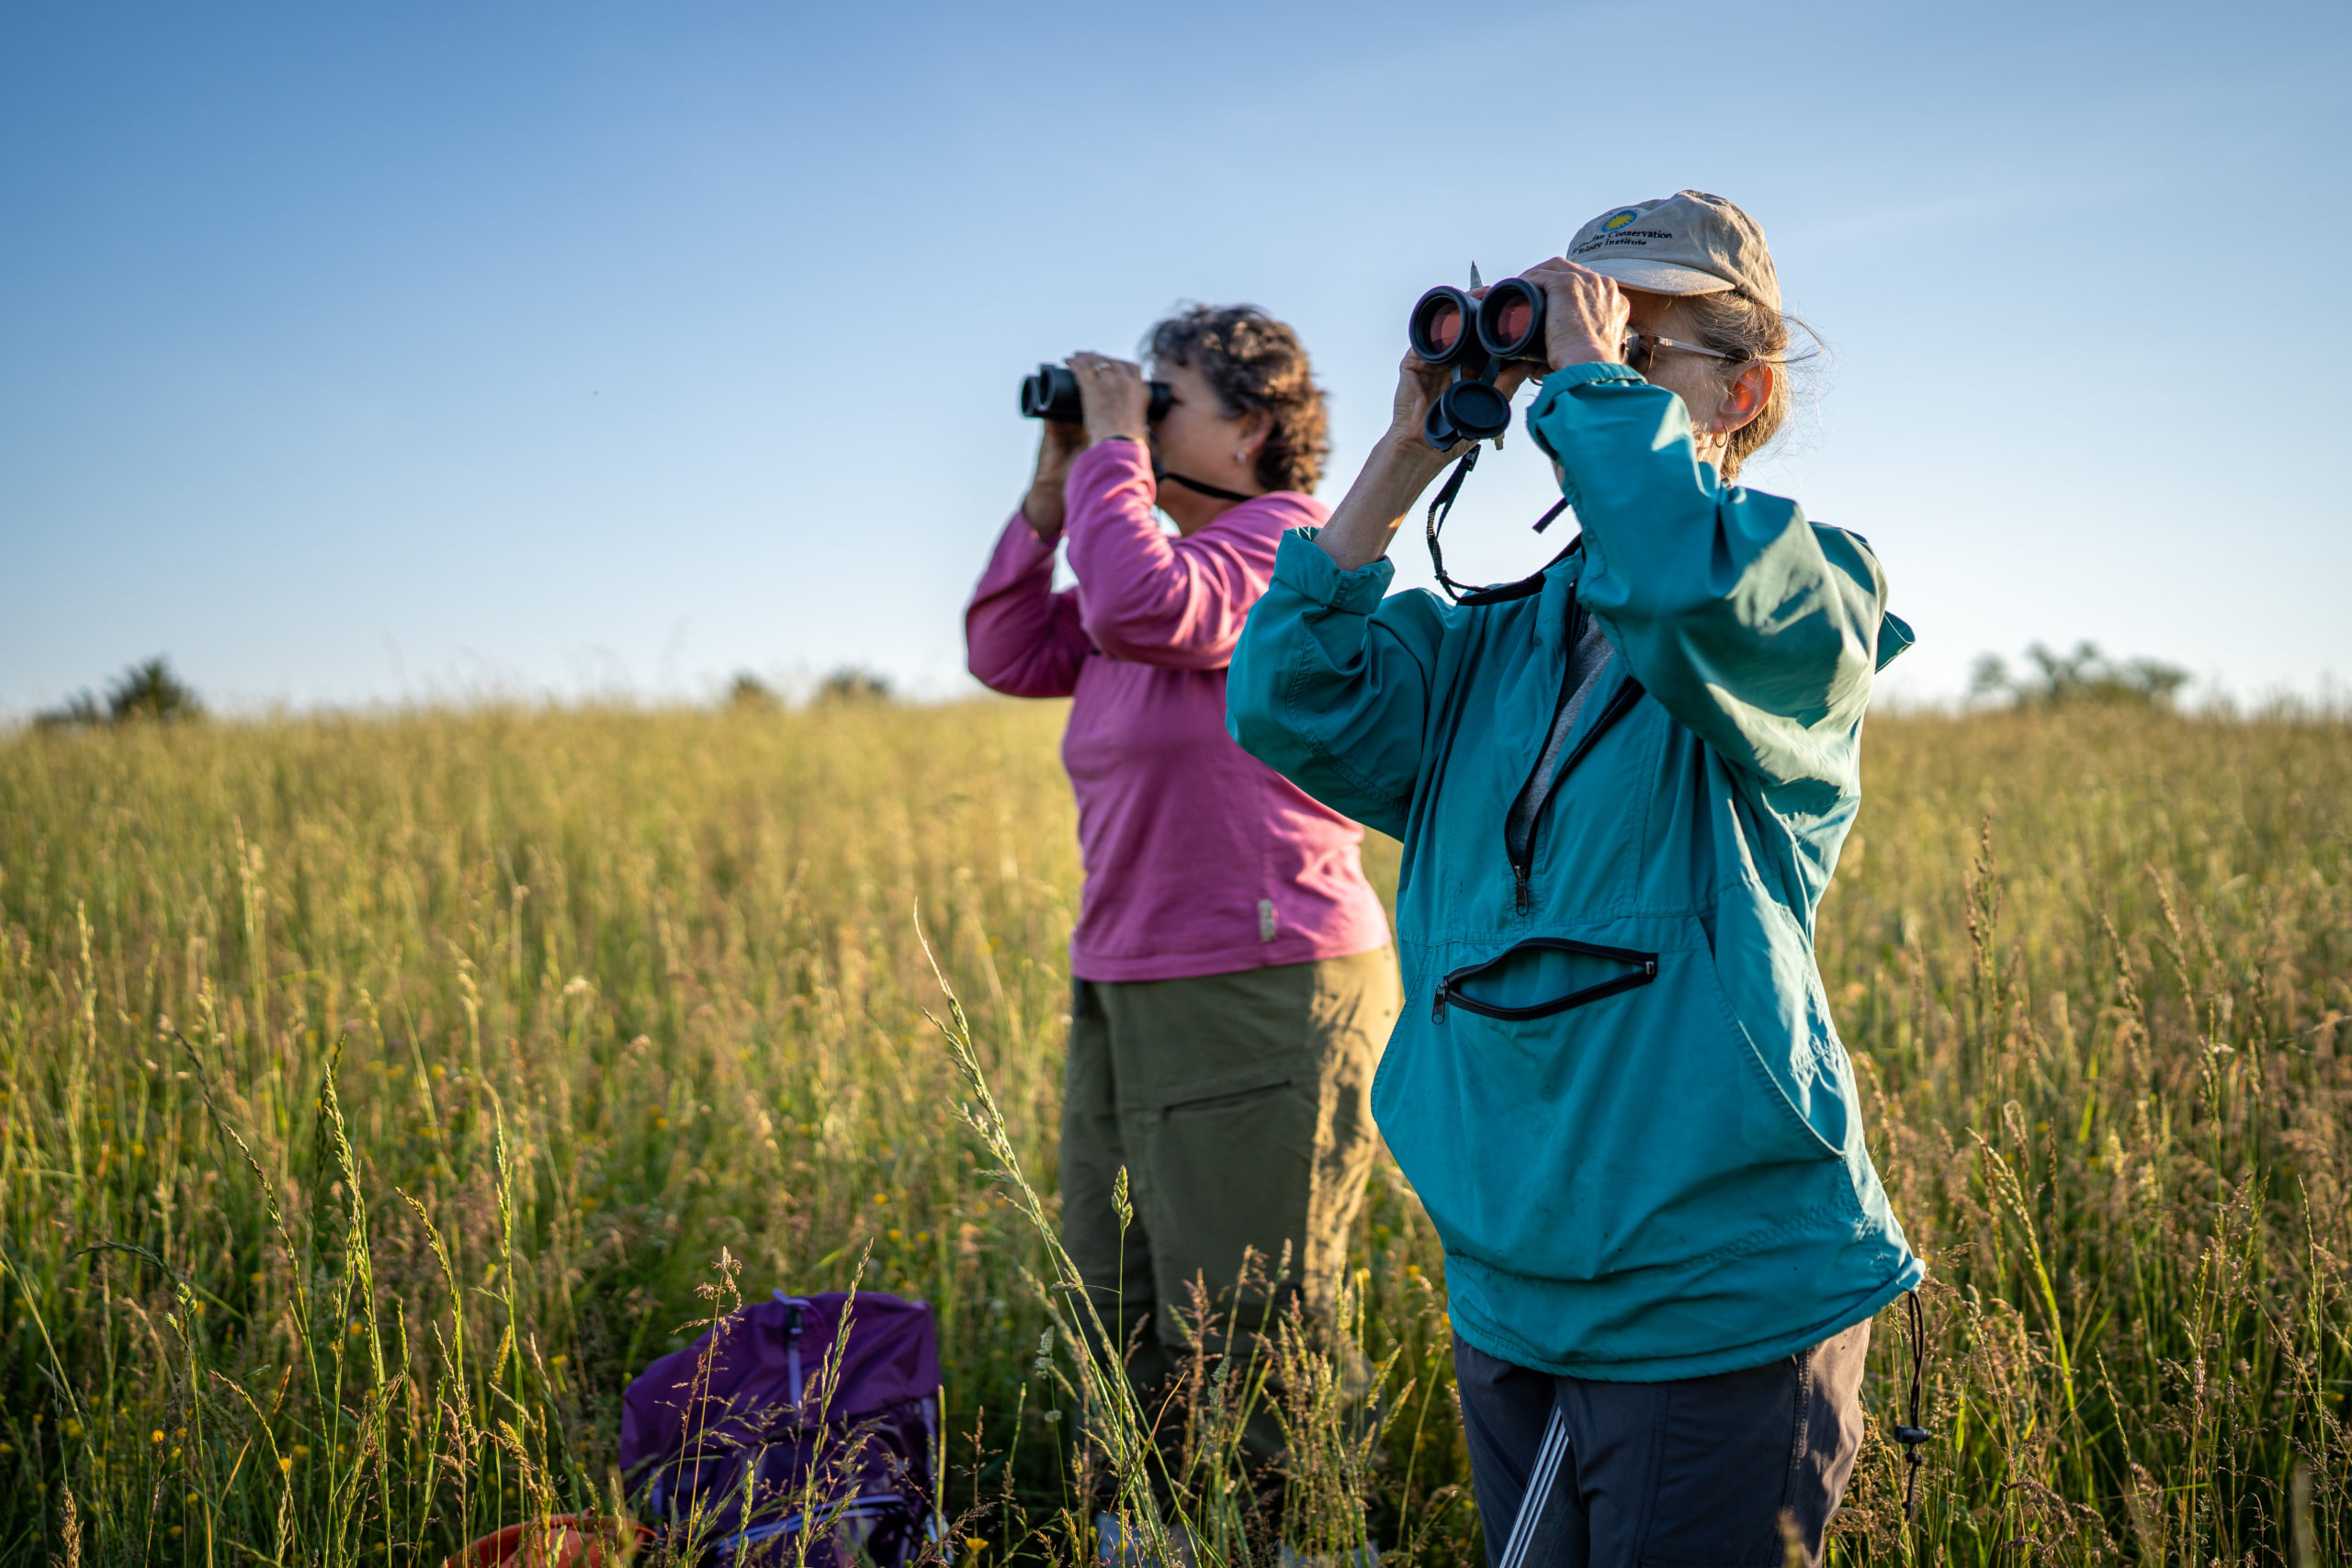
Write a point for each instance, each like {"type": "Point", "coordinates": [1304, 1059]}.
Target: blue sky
{"type": "Point", "coordinates": [365, 353]}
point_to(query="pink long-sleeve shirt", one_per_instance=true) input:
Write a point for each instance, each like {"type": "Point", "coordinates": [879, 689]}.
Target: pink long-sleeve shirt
{"type": "Point", "coordinates": [1200, 858]}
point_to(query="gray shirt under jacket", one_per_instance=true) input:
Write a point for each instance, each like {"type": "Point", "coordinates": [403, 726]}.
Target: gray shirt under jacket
{"type": "Point", "coordinates": [1587, 657]}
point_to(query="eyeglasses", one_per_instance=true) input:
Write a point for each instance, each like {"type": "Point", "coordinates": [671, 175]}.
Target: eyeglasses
{"type": "Point", "coordinates": [1639, 347]}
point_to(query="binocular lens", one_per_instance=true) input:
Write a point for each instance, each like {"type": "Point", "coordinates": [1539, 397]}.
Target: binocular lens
{"type": "Point", "coordinates": [1445, 326]}
{"type": "Point", "coordinates": [1518, 315]}
{"type": "Point", "coordinates": [1439, 328]}
{"type": "Point", "coordinates": [1051, 393]}
{"type": "Point", "coordinates": [1510, 320]}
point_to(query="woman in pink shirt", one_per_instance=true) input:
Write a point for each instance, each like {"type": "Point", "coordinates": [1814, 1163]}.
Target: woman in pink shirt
{"type": "Point", "coordinates": [1232, 980]}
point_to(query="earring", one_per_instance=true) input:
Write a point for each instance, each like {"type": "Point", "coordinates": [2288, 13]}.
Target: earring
{"type": "Point", "coordinates": [1241, 455]}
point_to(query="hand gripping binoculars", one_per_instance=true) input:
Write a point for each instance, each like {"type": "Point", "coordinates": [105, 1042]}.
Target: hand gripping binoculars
{"type": "Point", "coordinates": [1051, 393]}
{"type": "Point", "coordinates": [1478, 338]}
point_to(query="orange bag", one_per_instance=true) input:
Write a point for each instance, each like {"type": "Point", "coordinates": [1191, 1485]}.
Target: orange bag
{"type": "Point", "coordinates": [562, 1540]}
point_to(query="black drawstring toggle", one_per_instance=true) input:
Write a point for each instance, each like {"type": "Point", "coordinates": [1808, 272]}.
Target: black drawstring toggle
{"type": "Point", "coordinates": [1912, 1433]}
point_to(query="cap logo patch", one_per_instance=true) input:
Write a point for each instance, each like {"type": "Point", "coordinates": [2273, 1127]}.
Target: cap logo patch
{"type": "Point", "coordinates": [1616, 220]}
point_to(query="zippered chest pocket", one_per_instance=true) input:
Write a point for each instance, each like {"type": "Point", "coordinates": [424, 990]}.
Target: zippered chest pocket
{"type": "Point", "coordinates": [1568, 985]}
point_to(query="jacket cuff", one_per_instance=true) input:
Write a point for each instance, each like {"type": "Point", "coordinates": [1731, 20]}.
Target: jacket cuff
{"type": "Point", "coordinates": [1557, 386]}
{"type": "Point", "coordinates": [1301, 566]}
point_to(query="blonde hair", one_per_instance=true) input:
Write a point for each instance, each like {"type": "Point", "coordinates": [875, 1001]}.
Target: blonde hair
{"type": "Point", "coordinates": [1734, 322]}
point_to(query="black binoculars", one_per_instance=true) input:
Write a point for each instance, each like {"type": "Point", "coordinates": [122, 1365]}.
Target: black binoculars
{"type": "Point", "coordinates": [1478, 338]}
{"type": "Point", "coordinates": [1051, 393]}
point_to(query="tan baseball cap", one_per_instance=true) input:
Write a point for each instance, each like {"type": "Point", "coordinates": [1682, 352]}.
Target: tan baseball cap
{"type": "Point", "coordinates": [1689, 243]}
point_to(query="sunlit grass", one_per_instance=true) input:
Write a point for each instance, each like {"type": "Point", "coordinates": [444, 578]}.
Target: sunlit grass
{"type": "Point", "coordinates": [378, 1092]}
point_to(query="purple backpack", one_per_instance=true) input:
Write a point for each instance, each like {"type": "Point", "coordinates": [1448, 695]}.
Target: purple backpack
{"type": "Point", "coordinates": [754, 1440]}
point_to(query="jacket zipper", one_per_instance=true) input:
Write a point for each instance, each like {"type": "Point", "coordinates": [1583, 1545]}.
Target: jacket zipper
{"type": "Point", "coordinates": [1518, 870]}
{"type": "Point", "coordinates": [1628, 692]}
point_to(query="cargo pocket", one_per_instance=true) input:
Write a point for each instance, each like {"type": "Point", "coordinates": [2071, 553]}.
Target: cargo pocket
{"type": "Point", "coordinates": [1231, 1171]}
{"type": "Point", "coordinates": [1226, 1100]}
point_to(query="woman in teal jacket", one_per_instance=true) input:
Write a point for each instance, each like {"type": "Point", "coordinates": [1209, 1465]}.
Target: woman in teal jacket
{"type": "Point", "coordinates": [1622, 787]}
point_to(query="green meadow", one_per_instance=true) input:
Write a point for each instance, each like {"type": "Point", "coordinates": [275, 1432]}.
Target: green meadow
{"type": "Point", "coordinates": [379, 1094]}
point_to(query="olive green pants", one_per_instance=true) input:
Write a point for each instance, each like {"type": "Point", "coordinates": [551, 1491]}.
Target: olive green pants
{"type": "Point", "coordinates": [1239, 1106]}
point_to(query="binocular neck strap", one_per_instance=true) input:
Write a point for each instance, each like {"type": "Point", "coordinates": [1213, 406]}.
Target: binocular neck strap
{"type": "Point", "coordinates": [1212, 492]}
{"type": "Point", "coordinates": [1442, 507]}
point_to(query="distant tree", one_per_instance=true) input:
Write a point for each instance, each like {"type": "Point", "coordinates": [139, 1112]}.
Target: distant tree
{"type": "Point", "coordinates": [748, 691]}
{"type": "Point", "coordinates": [148, 690]}
{"type": "Point", "coordinates": [2085, 675]}
{"type": "Point", "coordinates": [851, 684]}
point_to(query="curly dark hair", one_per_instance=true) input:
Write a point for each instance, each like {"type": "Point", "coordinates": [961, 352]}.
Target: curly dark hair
{"type": "Point", "coordinates": [1254, 362]}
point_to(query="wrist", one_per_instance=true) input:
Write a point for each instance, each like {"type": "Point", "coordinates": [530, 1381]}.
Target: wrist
{"type": "Point", "coordinates": [1044, 515]}
{"type": "Point", "coordinates": [1408, 455]}
{"type": "Point", "coordinates": [1138, 436]}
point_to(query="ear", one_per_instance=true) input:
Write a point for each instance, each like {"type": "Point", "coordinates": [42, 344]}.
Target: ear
{"type": "Point", "coordinates": [1256, 425]}
{"type": "Point", "coordinates": [1745, 397]}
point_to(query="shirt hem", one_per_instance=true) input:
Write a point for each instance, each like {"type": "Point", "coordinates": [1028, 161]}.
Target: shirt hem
{"type": "Point", "coordinates": [1224, 960]}
{"type": "Point", "coordinates": [1504, 1345]}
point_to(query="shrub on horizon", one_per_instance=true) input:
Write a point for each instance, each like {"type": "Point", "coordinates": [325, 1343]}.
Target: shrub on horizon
{"type": "Point", "coordinates": [148, 690]}
{"type": "Point", "coordinates": [2085, 675]}
{"type": "Point", "coordinates": [852, 683]}
{"type": "Point", "coordinates": [748, 691]}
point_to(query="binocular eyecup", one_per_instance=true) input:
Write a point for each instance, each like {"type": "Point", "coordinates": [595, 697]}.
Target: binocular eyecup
{"type": "Point", "coordinates": [1476, 338]}
{"type": "Point", "coordinates": [1051, 393]}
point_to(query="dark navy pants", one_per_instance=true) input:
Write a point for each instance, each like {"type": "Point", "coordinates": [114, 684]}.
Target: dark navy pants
{"type": "Point", "coordinates": [1692, 1473]}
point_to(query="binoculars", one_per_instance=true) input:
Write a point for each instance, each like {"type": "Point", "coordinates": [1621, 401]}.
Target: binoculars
{"type": "Point", "coordinates": [1051, 393]}
{"type": "Point", "coordinates": [1478, 338]}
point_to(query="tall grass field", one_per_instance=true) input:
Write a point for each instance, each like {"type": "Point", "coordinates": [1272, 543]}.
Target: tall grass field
{"type": "Point", "coordinates": [378, 1095]}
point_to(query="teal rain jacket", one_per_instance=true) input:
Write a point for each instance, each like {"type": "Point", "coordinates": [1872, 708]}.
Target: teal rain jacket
{"type": "Point", "coordinates": [1615, 1086]}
